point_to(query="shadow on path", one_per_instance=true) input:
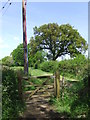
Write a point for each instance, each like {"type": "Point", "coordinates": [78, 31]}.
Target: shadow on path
{"type": "Point", "coordinates": [38, 108]}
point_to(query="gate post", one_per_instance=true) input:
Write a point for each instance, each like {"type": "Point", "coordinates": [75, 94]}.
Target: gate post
{"type": "Point", "coordinates": [57, 84]}
{"type": "Point", "coordinates": [55, 77]}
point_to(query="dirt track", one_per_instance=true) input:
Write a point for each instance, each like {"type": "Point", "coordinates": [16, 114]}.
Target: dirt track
{"type": "Point", "coordinates": [38, 107]}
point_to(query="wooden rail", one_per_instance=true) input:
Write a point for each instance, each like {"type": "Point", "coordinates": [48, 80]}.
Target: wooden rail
{"type": "Point", "coordinates": [42, 76]}
{"type": "Point", "coordinates": [56, 83]}
{"type": "Point", "coordinates": [38, 88]}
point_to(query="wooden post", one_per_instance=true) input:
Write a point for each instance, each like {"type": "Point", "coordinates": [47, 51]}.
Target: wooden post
{"type": "Point", "coordinates": [57, 85]}
{"type": "Point", "coordinates": [62, 86]}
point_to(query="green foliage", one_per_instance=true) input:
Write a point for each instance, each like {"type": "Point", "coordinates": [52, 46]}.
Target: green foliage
{"type": "Point", "coordinates": [36, 59]}
{"type": "Point", "coordinates": [33, 59]}
{"type": "Point", "coordinates": [18, 55]}
{"type": "Point", "coordinates": [36, 81]}
{"type": "Point", "coordinates": [30, 88]}
{"type": "Point", "coordinates": [11, 103]}
{"type": "Point", "coordinates": [0, 62]}
{"type": "Point", "coordinates": [37, 72]}
{"type": "Point", "coordinates": [49, 66]}
{"type": "Point", "coordinates": [75, 101]}
{"type": "Point", "coordinates": [80, 106]}
{"type": "Point", "coordinates": [8, 61]}
{"type": "Point", "coordinates": [33, 72]}
{"type": "Point", "coordinates": [73, 67]}
{"type": "Point", "coordinates": [0, 97]}
{"type": "Point", "coordinates": [58, 40]}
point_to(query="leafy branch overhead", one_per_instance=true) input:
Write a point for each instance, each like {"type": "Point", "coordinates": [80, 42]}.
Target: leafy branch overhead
{"type": "Point", "coordinates": [58, 40]}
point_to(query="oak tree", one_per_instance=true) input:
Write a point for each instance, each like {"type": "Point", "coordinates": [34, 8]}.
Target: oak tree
{"type": "Point", "coordinates": [58, 40]}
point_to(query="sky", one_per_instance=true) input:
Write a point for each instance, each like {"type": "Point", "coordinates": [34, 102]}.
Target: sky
{"type": "Point", "coordinates": [39, 13]}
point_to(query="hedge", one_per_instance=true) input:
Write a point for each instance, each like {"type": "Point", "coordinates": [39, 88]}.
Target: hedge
{"type": "Point", "coordinates": [12, 105]}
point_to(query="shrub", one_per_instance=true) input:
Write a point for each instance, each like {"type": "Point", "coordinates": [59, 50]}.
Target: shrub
{"type": "Point", "coordinates": [49, 66]}
{"type": "Point", "coordinates": [36, 59]}
{"type": "Point", "coordinates": [73, 67]}
{"type": "Point", "coordinates": [8, 61]}
{"type": "Point", "coordinates": [75, 101]}
{"type": "Point", "coordinates": [80, 106]}
{"type": "Point", "coordinates": [11, 103]}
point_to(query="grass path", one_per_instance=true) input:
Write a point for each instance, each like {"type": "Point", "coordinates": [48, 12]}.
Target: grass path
{"type": "Point", "coordinates": [37, 72]}
{"type": "Point", "coordinates": [33, 72]}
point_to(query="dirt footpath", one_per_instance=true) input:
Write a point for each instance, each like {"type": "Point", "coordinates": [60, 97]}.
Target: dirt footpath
{"type": "Point", "coordinates": [38, 107]}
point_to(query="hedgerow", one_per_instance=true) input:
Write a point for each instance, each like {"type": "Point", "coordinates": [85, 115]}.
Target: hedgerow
{"type": "Point", "coordinates": [49, 66]}
{"type": "Point", "coordinates": [12, 105]}
{"type": "Point", "coordinates": [72, 68]}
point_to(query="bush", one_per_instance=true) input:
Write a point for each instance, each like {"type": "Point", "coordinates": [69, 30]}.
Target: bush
{"type": "Point", "coordinates": [36, 59]}
{"type": "Point", "coordinates": [80, 106]}
{"type": "Point", "coordinates": [73, 67]}
{"type": "Point", "coordinates": [18, 55]}
{"type": "Point", "coordinates": [8, 61]}
{"type": "Point", "coordinates": [75, 101]}
{"type": "Point", "coordinates": [49, 66]}
{"type": "Point", "coordinates": [11, 103]}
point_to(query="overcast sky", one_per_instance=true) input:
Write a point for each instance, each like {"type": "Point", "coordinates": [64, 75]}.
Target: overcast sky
{"type": "Point", "coordinates": [38, 14]}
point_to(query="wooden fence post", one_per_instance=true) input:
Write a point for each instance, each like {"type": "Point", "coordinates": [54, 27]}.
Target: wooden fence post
{"type": "Point", "coordinates": [62, 86]}
{"type": "Point", "coordinates": [57, 84]}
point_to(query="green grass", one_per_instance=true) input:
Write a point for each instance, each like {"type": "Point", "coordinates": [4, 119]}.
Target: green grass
{"type": "Point", "coordinates": [30, 88]}
{"type": "Point", "coordinates": [71, 105]}
{"type": "Point", "coordinates": [37, 72]}
{"type": "Point", "coordinates": [74, 103]}
{"type": "Point", "coordinates": [37, 81]}
{"type": "Point", "coordinates": [33, 72]}
{"type": "Point", "coordinates": [63, 104]}
{"type": "Point", "coordinates": [71, 77]}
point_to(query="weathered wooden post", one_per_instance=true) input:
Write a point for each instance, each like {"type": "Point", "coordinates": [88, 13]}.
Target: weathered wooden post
{"type": "Point", "coordinates": [57, 84]}
{"type": "Point", "coordinates": [62, 86]}
{"type": "Point", "coordinates": [55, 77]}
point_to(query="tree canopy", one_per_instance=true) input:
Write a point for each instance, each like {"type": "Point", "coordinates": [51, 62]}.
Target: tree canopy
{"type": "Point", "coordinates": [36, 59]}
{"type": "Point", "coordinates": [58, 40]}
{"type": "Point", "coordinates": [33, 59]}
{"type": "Point", "coordinates": [8, 60]}
{"type": "Point", "coordinates": [18, 55]}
